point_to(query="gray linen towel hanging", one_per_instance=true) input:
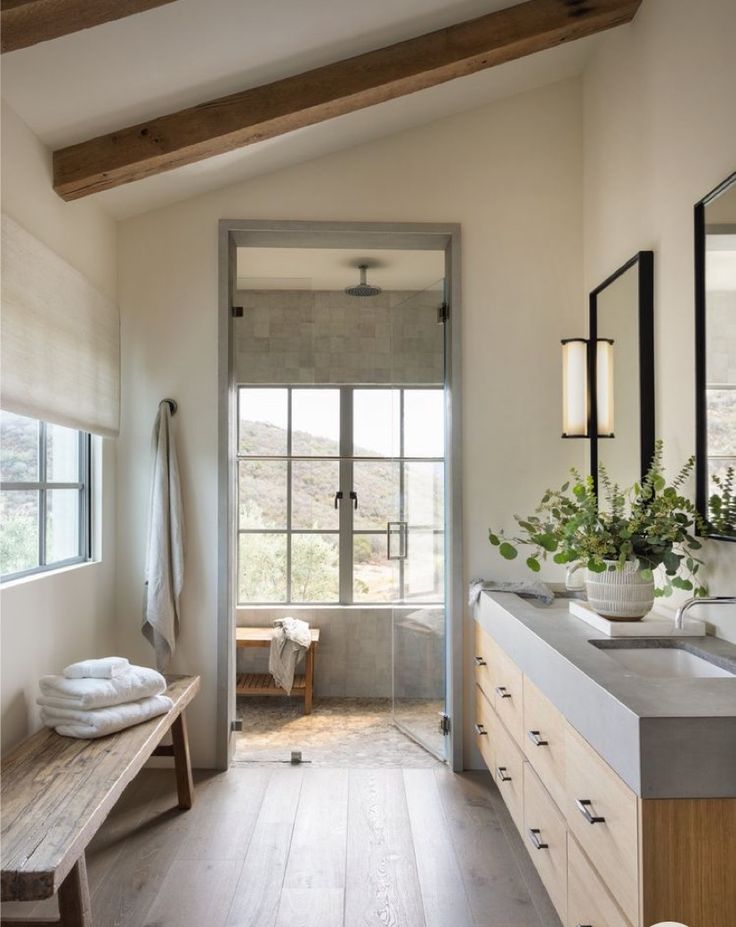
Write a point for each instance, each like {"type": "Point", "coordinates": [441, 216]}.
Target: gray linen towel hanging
{"type": "Point", "coordinates": [165, 555]}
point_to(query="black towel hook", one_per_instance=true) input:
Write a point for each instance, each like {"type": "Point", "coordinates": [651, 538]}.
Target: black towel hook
{"type": "Point", "coordinates": [172, 405]}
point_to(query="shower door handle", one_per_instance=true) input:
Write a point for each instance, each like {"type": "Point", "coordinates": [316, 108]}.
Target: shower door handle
{"type": "Point", "coordinates": [403, 532]}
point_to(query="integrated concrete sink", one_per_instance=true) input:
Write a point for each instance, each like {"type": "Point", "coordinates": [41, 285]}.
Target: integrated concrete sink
{"type": "Point", "coordinates": [663, 658]}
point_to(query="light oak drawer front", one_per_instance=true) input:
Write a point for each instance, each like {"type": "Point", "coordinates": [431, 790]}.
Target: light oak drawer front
{"type": "Point", "coordinates": [484, 728]}
{"type": "Point", "coordinates": [589, 903]}
{"type": "Point", "coordinates": [601, 811]}
{"type": "Point", "coordinates": [483, 661]}
{"type": "Point", "coordinates": [508, 692]}
{"type": "Point", "coordinates": [544, 740]}
{"type": "Point", "coordinates": [508, 772]}
{"type": "Point", "coordinates": [545, 835]}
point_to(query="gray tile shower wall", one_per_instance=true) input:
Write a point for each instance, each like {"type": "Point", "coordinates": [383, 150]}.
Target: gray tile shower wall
{"type": "Point", "coordinates": [324, 336]}
{"type": "Point", "coordinates": [354, 656]}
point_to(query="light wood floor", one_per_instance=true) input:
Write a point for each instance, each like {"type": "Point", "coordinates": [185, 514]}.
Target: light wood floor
{"type": "Point", "coordinates": [282, 846]}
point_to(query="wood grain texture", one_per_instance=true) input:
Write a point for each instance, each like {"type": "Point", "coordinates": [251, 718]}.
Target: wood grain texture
{"type": "Point", "coordinates": [56, 792]}
{"type": "Point", "coordinates": [75, 909]}
{"type": "Point", "coordinates": [541, 815]}
{"type": "Point", "coordinates": [548, 758]}
{"type": "Point", "coordinates": [612, 844]}
{"type": "Point", "coordinates": [182, 762]}
{"type": "Point", "coordinates": [258, 892]}
{"type": "Point", "coordinates": [443, 890]}
{"type": "Point", "coordinates": [588, 900]}
{"type": "Point", "coordinates": [252, 115]}
{"type": "Point", "coordinates": [27, 22]}
{"type": "Point", "coordinates": [687, 861]}
{"type": "Point", "coordinates": [382, 882]}
{"type": "Point", "coordinates": [194, 892]}
{"type": "Point", "coordinates": [508, 774]}
{"type": "Point", "coordinates": [508, 693]}
{"type": "Point", "coordinates": [494, 884]}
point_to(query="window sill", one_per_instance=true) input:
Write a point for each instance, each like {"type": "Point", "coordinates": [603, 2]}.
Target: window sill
{"type": "Point", "coordinates": [339, 608]}
{"type": "Point", "coordinates": [47, 574]}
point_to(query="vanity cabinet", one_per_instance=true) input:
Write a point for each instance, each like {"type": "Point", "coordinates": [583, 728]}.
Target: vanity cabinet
{"type": "Point", "coordinates": [606, 857]}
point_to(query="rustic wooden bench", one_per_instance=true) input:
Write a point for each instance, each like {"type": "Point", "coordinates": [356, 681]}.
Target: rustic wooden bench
{"type": "Point", "coordinates": [56, 792]}
{"type": "Point", "coordinates": [263, 683]}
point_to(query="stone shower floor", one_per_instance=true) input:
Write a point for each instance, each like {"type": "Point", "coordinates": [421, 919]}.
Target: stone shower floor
{"type": "Point", "coordinates": [340, 732]}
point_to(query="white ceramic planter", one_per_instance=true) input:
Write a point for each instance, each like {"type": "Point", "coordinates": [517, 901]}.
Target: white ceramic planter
{"type": "Point", "coordinates": [621, 595]}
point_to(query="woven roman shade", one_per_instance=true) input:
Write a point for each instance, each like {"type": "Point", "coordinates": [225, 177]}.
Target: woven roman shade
{"type": "Point", "coordinates": [60, 339]}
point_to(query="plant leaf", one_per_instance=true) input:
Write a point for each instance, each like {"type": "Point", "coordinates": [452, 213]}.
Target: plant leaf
{"type": "Point", "coordinates": [508, 551]}
{"type": "Point", "coordinates": [494, 539]}
{"type": "Point", "coordinates": [533, 564]}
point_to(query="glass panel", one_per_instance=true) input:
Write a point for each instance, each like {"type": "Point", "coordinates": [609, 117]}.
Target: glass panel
{"type": "Point", "coordinates": [376, 422]}
{"type": "Point", "coordinates": [263, 422]}
{"type": "Point", "coordinates": [262, 493]}
{"type": "Point", "coordinates": [314, 568]}
{"type": "Point", "coordinates": [262, 568]}
{"type": "Point", "coordinates": [315, 422]}
{"type": "Point", "coordinates": [62, 524]}
{"type": "Point", "coordinates": [718, 466]}
{"type": "Point", "coordinates": [424, 567]}
{"type": "Point", "coordinates": [62, 454]}
{"type": "Point", "coordinates": [424, 423]}
{"type": "Point", "coordinates": [18, 448]}
{"type": "Point", "coordinates": [721, 422]}
{"type": "Point", "coordinates": [375, 578]}
{"type": "Point", "coordinates": [425, 494]}
{"type": "Point", "coordinates": [313, 488]}
{"type": "Point", "coordinates": [19, 534]}
{"type": "Point", "coordinates": [377, 486]}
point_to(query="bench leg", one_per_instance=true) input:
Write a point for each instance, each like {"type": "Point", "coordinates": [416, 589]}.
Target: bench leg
{"type": "Point", "coordinates": [309, 680]}
{"type": "Point", "coordinates": [182, 763]}
{"type": "Point", "coordinates": [74, 905]}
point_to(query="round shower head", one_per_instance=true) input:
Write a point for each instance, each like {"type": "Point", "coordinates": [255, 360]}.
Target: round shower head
{"type": "Point", "coordinates": [363, 288]}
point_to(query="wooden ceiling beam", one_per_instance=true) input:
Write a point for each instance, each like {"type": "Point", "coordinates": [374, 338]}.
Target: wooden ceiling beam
{"type": "Point", "coordinates": [252, 115]}
{"type": "Point", "coordinates": [27, 22]}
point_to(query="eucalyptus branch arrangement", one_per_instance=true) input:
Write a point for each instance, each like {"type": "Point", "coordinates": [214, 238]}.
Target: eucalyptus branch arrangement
{"type": "Point", "coordinates": [651, 524]}
{"type": "Point", "coordinates": [722, 506]}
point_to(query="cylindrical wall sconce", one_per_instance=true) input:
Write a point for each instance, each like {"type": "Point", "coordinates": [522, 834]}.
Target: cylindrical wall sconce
{"type": "Point", "coordinates": [574, 388]}
{"type": "Point", "coordinates": [604, 386]}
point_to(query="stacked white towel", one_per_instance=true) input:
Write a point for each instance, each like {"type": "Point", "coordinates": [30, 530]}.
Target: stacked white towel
{"type": "Point", "coordinates": [114, 695]}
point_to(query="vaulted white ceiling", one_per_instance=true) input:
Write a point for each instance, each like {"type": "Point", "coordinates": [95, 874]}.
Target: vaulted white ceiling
{"type": "Point", "coordinates": [190, 51]}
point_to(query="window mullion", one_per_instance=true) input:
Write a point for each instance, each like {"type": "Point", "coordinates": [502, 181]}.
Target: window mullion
{"type": "Point", "coordinates": [288, 491]}
{"type": "Point", "coordinates": [345, 542]}
{"type": "Point", "coordinates": [42, 494]}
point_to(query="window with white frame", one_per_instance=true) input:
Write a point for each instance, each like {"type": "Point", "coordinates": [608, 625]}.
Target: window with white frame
{"type": "Point", "coordinates": [340, 495]}
{"type": "Point", "coordinates": [44, 496]}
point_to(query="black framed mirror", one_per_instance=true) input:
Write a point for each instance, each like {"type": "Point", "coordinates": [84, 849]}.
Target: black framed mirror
{"type": "Point", "coordinates": [715, 350]}
{"type": "Point", "coordinates": [621, 372]}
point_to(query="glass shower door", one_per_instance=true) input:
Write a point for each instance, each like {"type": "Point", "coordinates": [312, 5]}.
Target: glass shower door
{"type": "Point", "coordinates": [416, 537]}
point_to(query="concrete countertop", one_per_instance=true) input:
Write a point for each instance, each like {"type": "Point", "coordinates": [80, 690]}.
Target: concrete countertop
{"type": "Point", "coordinates": [666, 738]}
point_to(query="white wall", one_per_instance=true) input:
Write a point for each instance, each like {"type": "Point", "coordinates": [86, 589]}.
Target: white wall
{"type": "Point", "coordinates": [510, 174]}
{"type": "Point", "coordinates": [50, 620]}
{"type": "Point", "coordinates": [659, 133]}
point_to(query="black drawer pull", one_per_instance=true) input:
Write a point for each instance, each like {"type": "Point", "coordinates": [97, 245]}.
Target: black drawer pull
{"type": "Point", "coordinates": [501, 774]}
{"type": "Point", "coordinates": [503, 691]}
{"type": "Point", "coordinates": [534, 836]}
{"type": "Point", "coordinates": [583, 806]}
{"type": "Point", "coordinates": [536, 739]}
{"type": "Point", "coordinates": [479, 729]}
{"type": "Point", "coordinates": [479, 661]}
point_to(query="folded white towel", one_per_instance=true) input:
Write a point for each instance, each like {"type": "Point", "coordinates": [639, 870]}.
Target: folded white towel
{"type": "Point", "coordinates": [102, 721]}
{"type": "Point", "coordinates": [104, 668]}
{"type": "Point", "coordinates": [83, 694]}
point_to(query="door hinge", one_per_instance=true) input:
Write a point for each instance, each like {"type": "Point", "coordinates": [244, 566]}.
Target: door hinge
{"type": "Point", "coordinates": [444, 724]}
{"type": "Point", "coordinates": [236, 725]}
{"type": "Point", "coordinates": [237, 312]}
{"type": "Point", "coordinates": [443, 313]}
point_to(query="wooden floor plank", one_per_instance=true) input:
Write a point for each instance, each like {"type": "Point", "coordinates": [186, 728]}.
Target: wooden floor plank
{"type": "Point", "coordinates": [497, 893]}
{"type": "Point", "coordinates": [382, 885]}
{"type": "Point", "coordinates": [314, 882]}
{"type": "Point", "coordinates": [443, 890]}
{"type": "Point", "coordinates": [224, 815]}
{"type": "Point", "coordinates": [195, 892]}
{"type": "Point", "coordinates": [257, 894]}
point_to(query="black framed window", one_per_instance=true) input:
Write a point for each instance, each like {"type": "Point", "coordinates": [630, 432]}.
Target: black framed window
{"type": "Point", "coordinates": [44, 496]}
{"type": "Point", "coordinates": [340, 495]}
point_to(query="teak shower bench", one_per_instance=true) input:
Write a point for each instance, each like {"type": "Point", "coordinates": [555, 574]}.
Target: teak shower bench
{"type": "Point", "coordinates": [263, 683]}
{"type": "Point", "coordinates": [57, 791]}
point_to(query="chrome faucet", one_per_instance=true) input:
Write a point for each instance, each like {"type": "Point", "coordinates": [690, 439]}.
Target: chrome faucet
{"type": "Point", "coordinates": [712, 600]}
